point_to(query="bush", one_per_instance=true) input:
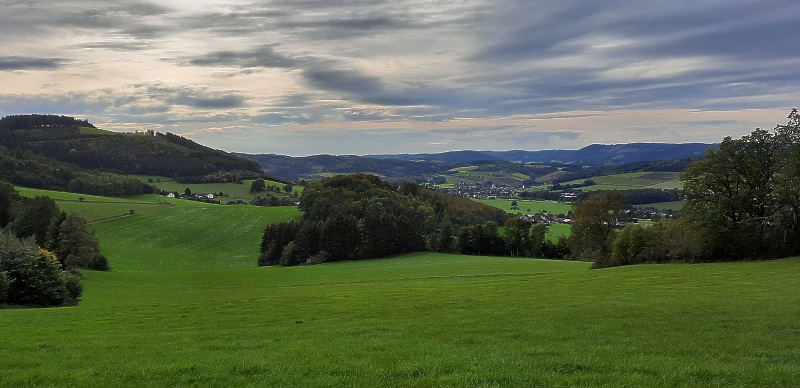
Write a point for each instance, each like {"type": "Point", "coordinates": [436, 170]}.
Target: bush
{"type": "Point", "coordinates": [34, 276]}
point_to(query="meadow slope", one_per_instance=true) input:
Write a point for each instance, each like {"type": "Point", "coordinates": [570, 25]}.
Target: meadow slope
{"type": "Point", "coordinates": [186, 305]}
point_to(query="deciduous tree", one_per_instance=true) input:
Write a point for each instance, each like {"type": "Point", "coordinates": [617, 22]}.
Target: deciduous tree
{"type": "Point", "coordinates": [595, 219]}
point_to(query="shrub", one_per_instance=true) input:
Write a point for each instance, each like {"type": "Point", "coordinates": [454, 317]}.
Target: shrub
{"type": "Point", "coordinates": [34, 276]}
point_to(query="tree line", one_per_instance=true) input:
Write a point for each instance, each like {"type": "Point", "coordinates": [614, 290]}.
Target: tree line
{"type": "Point", "coordinates": [27, 169]}
{"type": "Point", "coordinates": [40, 248]}
{"type": "Point", "coordinates": [742, 203]}
{"type": "Point", "coordinates": [41, 121]}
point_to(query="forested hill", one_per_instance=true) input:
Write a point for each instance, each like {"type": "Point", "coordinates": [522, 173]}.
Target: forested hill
{"type": "Point", "coordinates": [288, 167]}
{"type": "Point", "coordinates": [79, 143]}
{"type": "Point", "coordinates": [593, 155]}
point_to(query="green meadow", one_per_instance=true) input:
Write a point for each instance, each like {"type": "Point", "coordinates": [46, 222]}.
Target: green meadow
{"type": "Point", "coordinates": [185, 304]}
{"type": "Point", "coordinates": [232, 191]}
{"type": "Point", "coordinates": [633, 180]}
{"type": "Point", "coordinates": [535, 206]}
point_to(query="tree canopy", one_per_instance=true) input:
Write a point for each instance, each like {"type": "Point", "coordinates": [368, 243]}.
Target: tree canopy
{"type": "Point", "coordinates": [360, 216]}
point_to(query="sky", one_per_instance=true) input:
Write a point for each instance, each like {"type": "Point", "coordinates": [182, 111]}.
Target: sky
{"type": "Point", "coordinates": [304, 77]}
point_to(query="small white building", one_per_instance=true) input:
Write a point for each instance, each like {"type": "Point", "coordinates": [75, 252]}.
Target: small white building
{"type": "Point", "coordinates": [171, 195]}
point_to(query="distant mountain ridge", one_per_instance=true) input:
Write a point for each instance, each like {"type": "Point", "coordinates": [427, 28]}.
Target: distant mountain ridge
{"type": "Point", "coordinates": [594, 155]}
{"type": "Point", "coordinates": [420, 167]}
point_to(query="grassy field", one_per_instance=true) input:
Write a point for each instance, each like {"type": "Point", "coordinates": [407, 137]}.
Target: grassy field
{"type": "Point", "coordinates": [633, 180]}
{"type": "Point", "coordinates": [233, 191]}
{"type": "Point", "coordinates": [535, 206]}
{"type": "Point", "coordinates": [186, 305]}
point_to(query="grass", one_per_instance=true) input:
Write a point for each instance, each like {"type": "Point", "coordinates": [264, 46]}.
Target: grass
{"type": "Point", "coordinates": [94, 208]}
{"type": "Point", "coordinates": [674, 205]}
{"type": "Point", "coordinates": [535, 206]}
{"type": "Point", "coordinates": [554, 231]}
{"type": "Point", "coordinates": [233, 191]}
{"type": "Point", "coordinates": [633, 180]}
{"type": "Point", "coordinates": [185, 305]}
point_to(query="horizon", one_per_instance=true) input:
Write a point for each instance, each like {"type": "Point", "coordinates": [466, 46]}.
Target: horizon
{"type": "Point", "coordinates": [315, 77]}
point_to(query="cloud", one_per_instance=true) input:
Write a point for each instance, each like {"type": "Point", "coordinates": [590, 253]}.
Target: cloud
{"type": "Point", "coordinates": [264, 56]}
{"type": "Point", "coordinates": [17, 62]}
{"type": "Point", "coordinates": [200, 98]}
{"type": "Point", "coordinates": [410, 73]}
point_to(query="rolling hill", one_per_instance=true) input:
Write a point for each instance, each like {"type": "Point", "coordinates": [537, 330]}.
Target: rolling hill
{"type": "Point", "coordinates": [185, 305]}
{"type": "Point", "coordinates": [73, 142]}
{"type": "Point", "coordinates": [593, 155]}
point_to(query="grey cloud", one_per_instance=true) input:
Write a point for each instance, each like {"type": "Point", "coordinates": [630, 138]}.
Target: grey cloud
{"type": "Point", "coordinates": [132, 18]}
{"type": "Point", "coordinates": [194, 97]}
{"type": "Point", "coordinates": [261, 57]}
{"type": "Point", "coordinates": [116, 46]}
{"type": "Point", "coordinates": [337, 27]}
{"type": "Point", "coordinates": [241, 21]}
{"type": "Point", "coordinates": [365, 88]}
{"type": "Point", "coordinates": [16, 62]}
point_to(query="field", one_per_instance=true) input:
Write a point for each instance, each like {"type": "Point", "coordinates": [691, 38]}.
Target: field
{"type": "Point", "coordinates": [634, 180]}
{"type": "Point", "coordinates": [496, 174]}
{"type": "Point", "coordinates": [535, 206]}
{"type": "Point", "coordinates": [186, 305]}
{"type": "Point", "coordinates": [553, 231]}
{"type": "Point", "coordinates": [233, 191]}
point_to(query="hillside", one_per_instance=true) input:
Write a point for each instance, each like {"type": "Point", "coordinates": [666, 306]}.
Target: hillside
{"type": "Point", "coordinates": [291, 168]}
{"type": "Point", "coordinates": [79, 143]}
{"type": "Point", "coordinates": [184, 276]}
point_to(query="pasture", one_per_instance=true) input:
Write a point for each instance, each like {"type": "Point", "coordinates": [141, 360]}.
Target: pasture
{"type": "Point", "coordinates": [534, 206]}
{"type": "Point", "coordinates": [186, 305]}
{"type": "Point", "coordinates": [232, 191]}
{"type": "Point", "coordinates": [633, 180]}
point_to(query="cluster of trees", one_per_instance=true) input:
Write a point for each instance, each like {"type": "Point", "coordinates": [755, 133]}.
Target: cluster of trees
{"type": "Point", "coordinates": [64, 234]}
{"type": "Point", "coordinates": [260, 185]}
{"type": "Point", "coordinates": [271, 200]}
{"type": "Point", "coordinates": [359, 216]}
{"type": "Point", "coordinates": [743, 202]}
{"type": "Point", "coordinates": [40, 247]}
{"type": "Point", "coordinates": [745, 196]}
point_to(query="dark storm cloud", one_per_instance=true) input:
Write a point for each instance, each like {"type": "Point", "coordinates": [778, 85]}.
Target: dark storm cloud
{"type": "Point", "coordinates": [17, 62]}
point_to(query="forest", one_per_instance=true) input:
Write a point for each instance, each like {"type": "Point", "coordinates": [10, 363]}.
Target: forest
{"type": "Point", "coordinates": [79, 143]}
